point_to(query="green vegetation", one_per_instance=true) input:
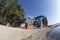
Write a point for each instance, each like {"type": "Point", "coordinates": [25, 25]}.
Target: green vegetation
{"type": "Point", "coordinates": [11, 11]}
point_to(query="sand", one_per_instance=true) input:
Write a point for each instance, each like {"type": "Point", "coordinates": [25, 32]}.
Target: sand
{"type": "Point", "coordinates": [9, 33]}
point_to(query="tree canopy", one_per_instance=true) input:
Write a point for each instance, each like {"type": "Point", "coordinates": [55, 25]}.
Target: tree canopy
{"type": "Point", "coordinates": [11, 11]}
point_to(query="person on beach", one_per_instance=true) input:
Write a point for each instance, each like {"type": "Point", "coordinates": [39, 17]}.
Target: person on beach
{"type": "Point", "coordinates": [30, 22]}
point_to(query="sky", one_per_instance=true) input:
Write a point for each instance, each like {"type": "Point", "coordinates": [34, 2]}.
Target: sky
{"type": "Point", "coordinates": [48, 8]}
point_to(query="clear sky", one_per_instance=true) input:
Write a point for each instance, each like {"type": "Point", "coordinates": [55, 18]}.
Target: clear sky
{"type": "Point", "coordinates": [48, 8]}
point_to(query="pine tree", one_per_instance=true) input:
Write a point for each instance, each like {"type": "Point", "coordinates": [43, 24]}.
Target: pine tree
{"type": "Point", "coordinates": [13, 13]}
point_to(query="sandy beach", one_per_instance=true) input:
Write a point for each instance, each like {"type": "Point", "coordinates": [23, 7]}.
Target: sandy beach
{"type": "Point", "coordinates": [9, 33]}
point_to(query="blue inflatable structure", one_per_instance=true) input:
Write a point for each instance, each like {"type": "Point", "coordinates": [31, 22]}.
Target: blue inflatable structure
{"type": "Point", "coordinates": [41, 20]}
